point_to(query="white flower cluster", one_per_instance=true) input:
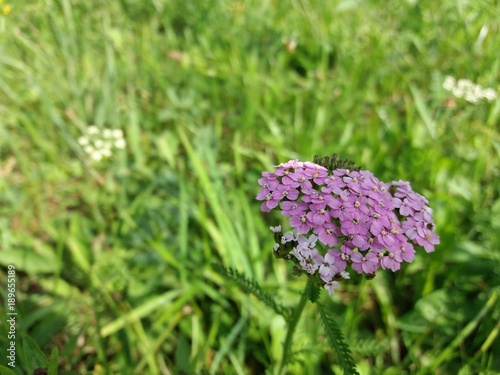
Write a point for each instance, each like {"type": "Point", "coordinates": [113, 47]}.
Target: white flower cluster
{"type": "Point", "coordinates": [464, 88]}
{"type": "Point", "coordinates": [99, 144]}
{"type": "Point", "coordinates": [310, 259]}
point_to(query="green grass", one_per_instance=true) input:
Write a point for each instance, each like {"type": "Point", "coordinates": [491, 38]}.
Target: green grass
{"type": "Point", "coordinates": [114, 258]}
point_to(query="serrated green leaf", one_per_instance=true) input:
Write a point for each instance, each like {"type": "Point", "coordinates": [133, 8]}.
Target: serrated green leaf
{"type": "Point", "coordinates": [251, 286]}
{"type": "Point", "coordinates": [337, 341]}
{"type": "Point", "coordinates": [312, 292]}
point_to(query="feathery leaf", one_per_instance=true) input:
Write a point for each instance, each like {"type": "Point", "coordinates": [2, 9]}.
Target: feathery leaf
{"type": "Point", "coordinates": [312, 291]}
{"type": "Point", "coordinates": [251, 286]}
{"type": "Point", "coordinates": [337, 341]}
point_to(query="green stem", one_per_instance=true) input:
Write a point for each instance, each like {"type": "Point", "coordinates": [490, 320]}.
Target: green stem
{"type": "Point", "coordinates": [292, 324]}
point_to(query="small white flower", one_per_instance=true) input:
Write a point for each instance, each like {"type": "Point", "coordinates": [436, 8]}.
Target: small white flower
{"type": "Point", "coordinates": [96, 155]}
{"type": "Point", "coordinates": [468, 90]}
{"type": "Point", "coordinates": [287, 237]}
{"type": "Point", "coordinates": [331, 286]}
{"type": "Point", "coordinates": [107, 133]}
{"type": "Point", "coordinates": [99, 143]}
{"type": "Point", "coordinates": [459, 92]}
{"type": "Point", "coordinates": [83, 141]}
{"type": "Point", "coordinates": [489, 94]}
{"type": "Point", "coordinates": [88, 149]}
{"type": "Point", "coordinates": [276, 247]}
{"type": "Point", "coordinates": [464, 83]}
{"type": "Point", "coordinates": [120, 143]}
{"type": "Point", "coordinates": [345, 275]}
{"type": "Point", "coordinates": [449, 83]}
{"type": "Point", "coordinates": [117, 133]}
{"type": "Point", "coordinates": [298, 254]}
{"type": "Point", "coordinates": [92, 129]}
{"type": "Point", "coordinates": [106, 152]}
{"type": "Point", "coordinates": [275, 229]}
{"type": "Point", "coordinates": [471, 97]}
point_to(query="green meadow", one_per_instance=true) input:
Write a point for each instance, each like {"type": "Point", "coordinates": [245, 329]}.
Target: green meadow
{"type": "Point", "coordinates": [115, 253]}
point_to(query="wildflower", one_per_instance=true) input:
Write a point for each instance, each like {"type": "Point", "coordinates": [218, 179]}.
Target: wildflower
{"type": "Point", "coordinates": [106, 152]}
{"type": "Point", "coordinates": [308, 243]}
{"type": "Point", "coordinates": [117, 133]}
{"type": "Point", "coordinates": [120, 143]}
{"type": "Point", "coordinates": [99, 144]}
{"type": "Point", "coordinates": [309, 259]}
{"type": "Point", "coordinates": [327, 270]}
{"type": "Point", "coordinates": [288, 237]}
{"type": "Point", "coordinates": [331, 286]}
{"type": "Point", "coordinates": [88, 149]}
{"type": "Point", "coordinates": [407, 252]}
{"type": "Point", "coordinates": [275, 229]}
{"type": "Point", "coordinates": [5, 8]}
{"type": "Point", "coordinates": [345, 275]}
{"type": "Point", "coordinates": [328, 233]}
{"type": "Point", "coordinates": [293, 208]}
{"type": "Point", "coordinates": [342, 257]}
{"type": "Point", "coordinates": [315, 172]}
{"type": "Point", "coordinates": [369, 223]}
{"type": "Point", "coordinates": [364, 263]}
{"type": "Point", "coordinates": [96, 155]}
{"type": "Point", "coordinates": [464, 88]}
{"type": "Point", "coordinates": [83, 141]}
{"type": "Point", "coordinates": [269, 202]}
{"type": "Point", "coordinates": [318, 214]}
{"type": "Point", "coordinates": [449, 83]}
{"type": "Point", "coordinates": [92, 130]}
{"type": "Point", "coordinates": [285, 191]}
{"type": "Point", "coordinates": [301, 223]}
{"type": "Point", "coordinates": [391, 260]}
{"type": "Point", "coordinates": [107, 133]}
{"type": "Point", "coordinates": [339, 210]}
{"type": "Point", "coordinates": [427, 239]}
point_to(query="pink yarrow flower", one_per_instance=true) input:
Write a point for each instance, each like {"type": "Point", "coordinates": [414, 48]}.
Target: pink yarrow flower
{"type": "Point", "coordinates": [357, 221]}
{"type": "Point", "coordinates": [365, 263]}
{"type": "Point", "coordinates": [328, 234]}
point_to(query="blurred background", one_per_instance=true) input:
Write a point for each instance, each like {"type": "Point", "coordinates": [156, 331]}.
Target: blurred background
{"type": "Point", "coordinates": [132, 135]}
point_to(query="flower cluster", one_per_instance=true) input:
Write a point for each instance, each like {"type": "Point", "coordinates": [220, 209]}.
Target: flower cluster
{"type": "Point", "coordinates": [99, 144]}
{"type": "Point", "coordinates": [363, 223]}
{"type": "Point", "coordinates": [464, 88]}
{"type": "Point", "coordinates": [5, 8]}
